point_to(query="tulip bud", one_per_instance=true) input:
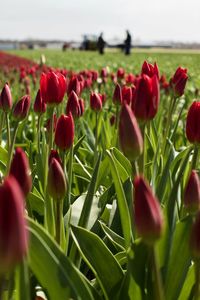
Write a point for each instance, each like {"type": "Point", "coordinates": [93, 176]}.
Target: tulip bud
{"type": "Point", "coordinates": [39, 104]}
{"type": "Point", "coordinates": [146, 98]}
{"type": "Point", "coordinates": [104, 73]}
{"type": "Point", "coordinates": [120, 73]}
{"type": "Point", "coordinates": [149, 69]}
{"type": "Point", "coordinates": [178, 81]}
{"type": "Point", "coordinates": [52, 87]}
{"type": "Point", "coordinates": [74, 85]}
{"type": "Point", "coordinates": [95, 101]}
{"type": "Point", "coordinates": [20, 169]}
{"type": "Point", "coordinates": [6, 98]}
{"type": "Point", "coordinates": [13, 233]}
{"type": "Point", "coordinates": [192, 193]}
{"type": "Point", "coordinates": [192, 123]}
{"type": "Point", "coordinates": [130, 137]}
{"type": "Point", "coordinates": [73, 105]}
{"type": "Point", "coordinates": [148, 214]}
{"type": "Point", "coordinates": [21, 108]}
{"type": "Point", "coordinates": [64, 135]}
{"type": "Point", "coordinates": [56, 181]}
{"type": "Point", "coordinates": [195, 238]}
{"type": "Point", "coordinates": [82, 106]}
{"type": "Point", "coordinates": [117, 95]}
{"type": "Point", "coordinates": [126, 94]}
{"type": "Point", "coordinates": [54, 154]}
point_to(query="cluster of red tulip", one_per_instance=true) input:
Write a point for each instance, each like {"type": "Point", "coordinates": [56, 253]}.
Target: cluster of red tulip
{"type": "Point", "coordinates": [135, 103]}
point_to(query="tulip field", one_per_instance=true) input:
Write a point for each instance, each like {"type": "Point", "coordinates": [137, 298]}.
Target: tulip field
{"type": "Point", "coordinates": [99, 171]}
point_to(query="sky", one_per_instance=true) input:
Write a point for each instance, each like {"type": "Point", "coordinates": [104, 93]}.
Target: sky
{"type": "Point", "coordinates": [147, 20]}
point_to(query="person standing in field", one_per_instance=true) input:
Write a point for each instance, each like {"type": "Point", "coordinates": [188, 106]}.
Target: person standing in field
{"type": "Point", "coordinates": [127, 43]}
{"type": "Point", "coordinates": [101, 44]}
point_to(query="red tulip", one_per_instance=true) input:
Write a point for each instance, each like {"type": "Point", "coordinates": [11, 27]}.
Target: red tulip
{"type": "Point", "coordinates": [54, 154]}
{"type": "Point", "coordinates": [120, 73]}
{"type": "Point", "coordinates": [6, 98]}
{"type": "Point", "coordinates": [64, 135]}
{"type": "Point", "coordinates": [195, 238]}
{"type": "Point", "coordinates": [130, 137]}
{"type": "Point", "coordinates": [20, 169]}
{"type": "Point", "coordinates": [148, 214]}
{"type": "Point", "coordinates": [39, 104]}
{"type": "Point", "coordinates": [127, 94]}
{"type": "Point", "coordinates": [146, 98]}
{"type": "Point", "coordinates": [13, 233]}
{"type": "Point", "coordinates": [149, 69]}
{"type": "Point", "coordinates": [192, 123]}
{"type": "Point", "coordinates": [104, 73]}
{"type": "Point", "coordinates": [178, 81]}
{"type": "Point", "coordinates": [95, 101]}
{"type": "Point", "coordinates": [49, 123]}
{"type": "Point", "coordinates": [73, 105]}
{"type": "Point", "coordinates": [117, 95]}
{"type": "Point", "coordinates": [22, 107]}
{"type": "Point", "coordinates": [74, 85]}
{"type": "Point", "coordinates": [82, 106]}
{"type": "Point", "coordinates": [52, 87]}
{"type": "Point", "coordinates": [192, 193]}
{"type": "Point", "coordinates": [56, 180]}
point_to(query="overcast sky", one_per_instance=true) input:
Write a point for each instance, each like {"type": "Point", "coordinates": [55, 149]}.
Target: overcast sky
{"type": "Point", "coordinates": [147, 20]}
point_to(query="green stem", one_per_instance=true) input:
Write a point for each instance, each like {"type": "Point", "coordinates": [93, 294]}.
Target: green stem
{"type": "Point", "coordinates": [2, 119]}
{"type": "Point", "coordinates": [11, 148]}
{"type": "Point", "coordinates": [70, 167]}
{"type": "Point", "coordinates": [8, 129]}
{"type": "Point", "coordinates": [141, 159]}
{"type": "Point", "coordinates": [58, 218]}
{"type": "Point", "coordinates": [51, 129]}
{"type": "Point", "coordinates": [194, 158]}
{"type": "Point", "coordinates": [168, 123]}
{"type": "Point", "coordinates": [158, 288]}
{"type": "Point", "coordinates": [197, 280]}
{"type": "Point", "coordinates": [1, 286]}
{"type": "Point", "coordinates": [38, 132]}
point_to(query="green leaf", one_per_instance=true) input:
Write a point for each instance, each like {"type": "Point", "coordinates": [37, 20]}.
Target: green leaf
{"type": "Point", "coordinates": [179, 260]}
{"type": "Point", "coordinates": [122, 203]}
{"type": "Point", "coordinates": [36, 203]}
{"type": "Point", "coordinates": [55, 272]}
{"type": "Point", "coordinates": [102, 262]}
{"type": "Point", "coordinates": [85, 214]}
{"type": "Point", "coordinates": [116, 239]}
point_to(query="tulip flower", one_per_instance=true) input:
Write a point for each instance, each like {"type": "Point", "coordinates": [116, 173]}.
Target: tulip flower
{"type": "Point", "coordinates": [130, 137]}
{"type": "Point", "coordinates": [126, 94]}
{"type": "Point", "coordinates": [54, 154]}
{"type": "Point", "coordinates": [52, 87]}
{"type": "Point", "coordinates": [74, 85]}
{"type": "Point", "coordinates": [146, 98]}
{"type": "Point", "coordinates": [13, 233]}
{"type": "Point", "coordinates": [120, 73]}
{"type": "Point", "coordinates": [148, 214]}
{"type": "Point", "coordinates": [39, 104]}
{"type": "Point", "coordinates": [56, 180]}
{"type": "Point", "coordinates": [178, 82]}
{"type": "Point", "coordinates": [192, 193]}
{"type": "Point", "coordinates": [73, 105]}
{"type": "Point", "coordinates": [20, 169]}
{"type": "Point", "coordinates": [192, 123]}
{"type": "Point", "coordinates": [64, 134]}
{"type": "Point", "coordinates": [22, 107]}
{"type": "Point", "coordinates": [82, 106]}
{"type": "Point", "coordinates": [149, 69]}
{"type": "Point", "coordinates": [117, 95]}
{"type": "Point", "coordinates": [95, 101]}
{"type": "Point", "coordinates": [6, 98]}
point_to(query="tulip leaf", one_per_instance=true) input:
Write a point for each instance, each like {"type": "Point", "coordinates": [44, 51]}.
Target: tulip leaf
{"type": "Point", "coordinates": [180, 258]}
{"type": "Point", "coordinates": [116, 239]}
{"type": "Point", "coordinates": [122, 202]}
{"type": "Point", "coordinates": [55, 272]}
{"type": "Point", "coordinates": [99, 258]}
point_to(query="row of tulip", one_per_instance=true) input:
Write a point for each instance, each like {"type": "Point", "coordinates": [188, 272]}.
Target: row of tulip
{"type": "Point", "coordinates": [98, 194]}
